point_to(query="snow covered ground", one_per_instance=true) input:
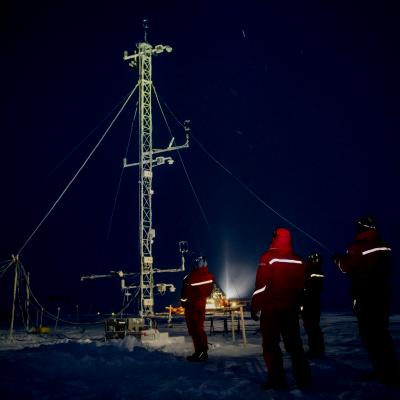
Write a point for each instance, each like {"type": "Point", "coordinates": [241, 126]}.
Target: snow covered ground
{"type": "Point", "coordinates": [76, 363]}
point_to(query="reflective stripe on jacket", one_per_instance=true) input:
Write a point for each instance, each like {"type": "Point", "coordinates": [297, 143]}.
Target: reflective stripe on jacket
{"type": "Point", "coordinates": [197, 286]}
{"type": "Point", "coordinates": [280, 277]}
{"type": "Point", "coordinates": [367, 263]}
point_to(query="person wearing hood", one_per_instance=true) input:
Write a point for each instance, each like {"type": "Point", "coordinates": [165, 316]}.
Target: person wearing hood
{"type": "Point", "coordinates": [311, 305]}
{"type": "Point", "coordinates": [197, 286]}
{"type": "Point", "coordinates": [367, 263]}
{"type": "Point", "coordinates": [277, 296]}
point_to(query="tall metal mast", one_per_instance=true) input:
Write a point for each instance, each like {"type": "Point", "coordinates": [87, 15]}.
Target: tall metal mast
{"type": "Point", "coordinates": [143, 59]}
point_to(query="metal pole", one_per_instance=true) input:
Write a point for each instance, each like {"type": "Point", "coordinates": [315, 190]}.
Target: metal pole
{"type": "Point", "coordinates": [243, 326]}
{"type": "Point", "coordinates": [232, 326]}
{"type": "Point", "coordinates": [16, 262]}
{"type": "Point", "coordinates": [170, 316]}
{"type": "Point", "coordinates": [77, 313]}
{"type": "Point", "coordinates": [58, 316]}
{"type": "Point", "coordinates": [28, 292]}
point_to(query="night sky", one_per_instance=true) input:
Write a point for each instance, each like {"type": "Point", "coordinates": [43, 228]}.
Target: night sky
{"type": "Point", "coordinates": [298, 100]}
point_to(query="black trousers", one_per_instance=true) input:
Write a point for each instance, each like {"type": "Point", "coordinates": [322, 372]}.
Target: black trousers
{"type": "Point", "coordinates": [311, 320]}
{"type": "Point", "coordinates": [373, 324]}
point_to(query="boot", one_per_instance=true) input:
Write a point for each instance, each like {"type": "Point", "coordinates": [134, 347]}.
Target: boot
{"type": "Point", "coordinates": [198, 356]}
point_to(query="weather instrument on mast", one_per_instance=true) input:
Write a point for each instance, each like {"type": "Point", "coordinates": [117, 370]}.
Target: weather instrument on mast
{"type": "Point", "coordinates": [149, 158]}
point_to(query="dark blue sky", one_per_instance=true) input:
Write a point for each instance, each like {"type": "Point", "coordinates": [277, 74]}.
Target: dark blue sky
{"type": "Point", "coordinates": [299, 100]}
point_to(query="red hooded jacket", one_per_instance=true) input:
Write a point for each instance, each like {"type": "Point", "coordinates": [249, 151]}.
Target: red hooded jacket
{"type": "Point", "coordinates": [280, 277]}
{"type": "Point", "coordinates": [367, 263]}
{"type": "Point", "coordinates": [197, 286]}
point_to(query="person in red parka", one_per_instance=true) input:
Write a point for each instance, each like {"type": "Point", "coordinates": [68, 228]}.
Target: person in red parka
{"type": "Point", "coordinates": [278, 292]}
{"type": "Point", "coordinates": [197, 286]}
{"type": "Point", "coordinates": [367, 264]}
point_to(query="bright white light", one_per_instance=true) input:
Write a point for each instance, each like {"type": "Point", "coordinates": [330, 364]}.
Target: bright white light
{"type": "Point", "coordinates": [238, 280]}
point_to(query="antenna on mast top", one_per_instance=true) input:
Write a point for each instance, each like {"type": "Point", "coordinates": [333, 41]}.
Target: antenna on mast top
{"type": "Point", "coordinates": [145, 28]}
